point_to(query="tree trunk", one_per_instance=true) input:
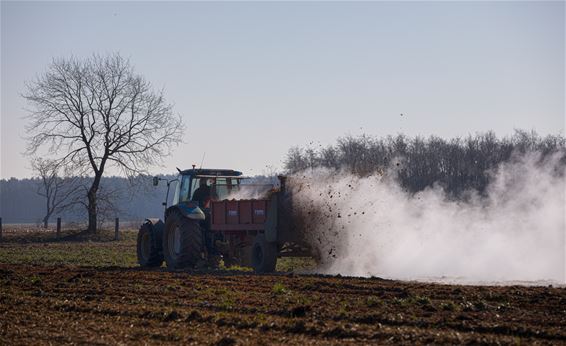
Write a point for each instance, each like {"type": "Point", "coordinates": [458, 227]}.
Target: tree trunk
{"type": "Point", "coordinates": [91, 212]}
{"type": "Point", "coordinates": [92, 204]}
{"type": "Point", "coordinates": [47, 214]}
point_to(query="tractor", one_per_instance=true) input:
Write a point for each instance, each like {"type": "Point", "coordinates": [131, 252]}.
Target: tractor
{"type": "Point", "coordinates": [208, 222]}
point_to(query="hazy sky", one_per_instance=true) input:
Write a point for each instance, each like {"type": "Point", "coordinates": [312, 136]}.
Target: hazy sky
{"type": "Point", "coordinates": [252, 79]}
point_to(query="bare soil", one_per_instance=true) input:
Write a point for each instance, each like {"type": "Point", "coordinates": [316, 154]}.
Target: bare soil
{"type": "Point", "coordinates": [64, 304]}
{"type": "Point", "coordinates": [64, 292]}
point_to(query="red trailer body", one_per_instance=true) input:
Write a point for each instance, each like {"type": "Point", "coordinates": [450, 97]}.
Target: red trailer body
{"type": "Point", "coordinates": [239, 215]}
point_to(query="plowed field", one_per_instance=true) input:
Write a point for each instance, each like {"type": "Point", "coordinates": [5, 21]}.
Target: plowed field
{"type": "Point", "coordinates": [60, 303]}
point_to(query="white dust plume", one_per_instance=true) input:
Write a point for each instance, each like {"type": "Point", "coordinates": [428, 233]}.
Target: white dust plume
{"type": "Point", "coordinates": [370, 226]}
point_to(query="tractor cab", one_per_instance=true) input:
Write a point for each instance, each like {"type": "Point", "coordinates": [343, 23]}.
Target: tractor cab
{"type": "Point", "coordinates": [196, 188]}
{"type": "Point", "coordinates": [200, 186]}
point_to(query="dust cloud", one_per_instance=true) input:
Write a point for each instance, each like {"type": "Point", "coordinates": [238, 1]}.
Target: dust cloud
{"type": "Point", "coordinates": [370, 226]}
{"type": "Point", "coordinates": [254, 188]}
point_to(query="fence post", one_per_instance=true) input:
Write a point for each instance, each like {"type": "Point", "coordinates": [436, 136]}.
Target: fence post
{"type": "Point", "coordinates": [0, 229]}
{"type": "Point", "coordinates": [117, 229]}
{"type": "Point", "coordinates": [58, 227]}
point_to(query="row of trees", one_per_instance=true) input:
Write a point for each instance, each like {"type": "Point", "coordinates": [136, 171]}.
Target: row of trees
{"type": "Point", "coordinates": [457, 164]}
{"type": "Point", "coordinates": [26, 201]}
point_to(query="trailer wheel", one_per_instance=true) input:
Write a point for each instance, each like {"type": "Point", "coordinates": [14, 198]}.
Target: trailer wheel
{"type": "Point", "coordinates": [149, 248]}
{"type": "Point", "coordinates": [182, 241]}
{"type": "Point", "coordinates": [264, 255]}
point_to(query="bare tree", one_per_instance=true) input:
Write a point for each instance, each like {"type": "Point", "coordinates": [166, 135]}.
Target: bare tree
{"type": "Point", "coordinates": [60, 193]}
{"type": "Point", "coordinates": [97, 113]}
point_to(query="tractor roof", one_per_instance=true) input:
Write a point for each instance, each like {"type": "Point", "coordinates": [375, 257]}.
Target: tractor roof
{"type": "Point", "coordinates": [211, 172]}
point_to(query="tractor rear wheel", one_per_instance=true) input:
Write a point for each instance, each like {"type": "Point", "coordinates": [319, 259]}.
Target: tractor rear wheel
{"type": "Point", "coordinates": [264, 255]}
{"type": "Point", "coordinates": [149, 248]}
{"type": "Point", "coordinates": [182, 241]}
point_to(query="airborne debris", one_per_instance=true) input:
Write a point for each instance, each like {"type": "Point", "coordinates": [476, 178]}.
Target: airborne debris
{"type": "Point", "coordinates": [430, 236]}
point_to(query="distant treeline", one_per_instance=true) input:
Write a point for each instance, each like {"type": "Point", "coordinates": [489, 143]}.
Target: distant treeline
{"type": "Point", "coordinates": [128, 200]}
{"type": "Point", "coordinates": [457, 164]}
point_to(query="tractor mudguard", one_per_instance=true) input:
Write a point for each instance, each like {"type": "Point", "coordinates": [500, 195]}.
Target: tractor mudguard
{"type": "Point", "coordinates": [191, 211]}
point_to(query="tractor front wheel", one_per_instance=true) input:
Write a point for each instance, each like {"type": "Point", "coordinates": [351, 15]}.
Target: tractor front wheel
{"type": "Point", "coordinates": [264, 255]}
{"type": "Point", "coordinates": [182, 242]}
{"type": "Point", "coordinates": [149, 248]}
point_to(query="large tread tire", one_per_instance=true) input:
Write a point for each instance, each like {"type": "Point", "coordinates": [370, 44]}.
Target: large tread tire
{"type": "Point", "coordinates": [149, 245]}
{"type": "Point", "coordinates": [264, 255]}
{"type": "Point", "coordinates": [182, 242]}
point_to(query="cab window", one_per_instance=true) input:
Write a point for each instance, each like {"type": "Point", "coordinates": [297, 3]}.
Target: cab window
{"type": "Point", "coordinates": [184, 190]}
{"type": "Point", "coordinates": [220, 189]}
{"type": "Point", "coordinates": [224, 187]}
{"type": "Point", "coordinates": [194, 185]}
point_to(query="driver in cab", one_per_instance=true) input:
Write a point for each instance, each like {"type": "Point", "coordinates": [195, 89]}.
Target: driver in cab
{"type": "Point", "coordinates": [202, 194]}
